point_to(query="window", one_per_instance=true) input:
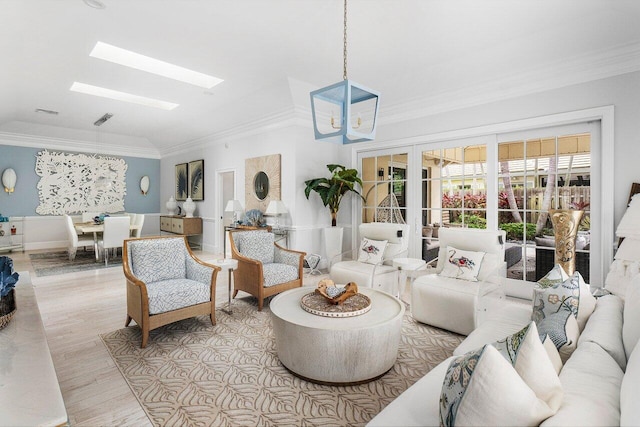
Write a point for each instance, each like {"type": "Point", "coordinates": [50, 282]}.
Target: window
{"type": "Point", "coordinates": [384, 180]}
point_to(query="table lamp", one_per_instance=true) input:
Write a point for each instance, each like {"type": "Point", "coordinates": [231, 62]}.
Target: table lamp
{"type": "Point", "coordinates": [276, 208]}
{"type": "Point", "coordinates": [235, 207]}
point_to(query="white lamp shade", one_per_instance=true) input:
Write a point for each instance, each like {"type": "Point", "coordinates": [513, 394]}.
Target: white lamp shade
{"type": "Point", "coordinates": [144, 184]}
{"type": "Point", "coordinates": [276, 207]}
{"type": "Point", "coordinates": [9, 179]}
{"type": "Point", "coordinates": [233, 206]}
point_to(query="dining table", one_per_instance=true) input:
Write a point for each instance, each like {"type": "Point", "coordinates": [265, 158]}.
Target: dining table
{"type": "Point", "coordinates": [92, 227]}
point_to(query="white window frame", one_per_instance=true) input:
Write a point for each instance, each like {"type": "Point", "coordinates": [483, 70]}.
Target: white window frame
{"type": "Point", "coordinates": [602, 168]}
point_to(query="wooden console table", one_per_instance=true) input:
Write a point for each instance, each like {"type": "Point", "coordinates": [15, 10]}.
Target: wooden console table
{"type": "Point", "coordinates": [181, 225]}
{"type": "Point", "coordinates": [29, 390]}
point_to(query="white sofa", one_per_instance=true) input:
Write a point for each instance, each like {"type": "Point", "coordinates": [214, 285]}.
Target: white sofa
{"type": "Point", "coordinates": [601, 379]}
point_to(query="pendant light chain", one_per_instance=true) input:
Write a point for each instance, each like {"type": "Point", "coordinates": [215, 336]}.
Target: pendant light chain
{"type": "Point", "coordinates": [344, 48]}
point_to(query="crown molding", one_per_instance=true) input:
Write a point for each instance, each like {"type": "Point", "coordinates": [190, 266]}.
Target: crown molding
{"type": "Point", "coordinates": [50, 143]}
{"type": "Point", "coordinates": [580, 69]}
{"type": "Point", "coordinates": [286, 117]}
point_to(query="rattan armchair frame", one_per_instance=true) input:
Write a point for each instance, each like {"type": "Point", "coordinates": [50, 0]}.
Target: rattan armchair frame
{"type": "Point", "coordinates": [138, 299]}
{"type": "Point", "coordinates": [249, 277]}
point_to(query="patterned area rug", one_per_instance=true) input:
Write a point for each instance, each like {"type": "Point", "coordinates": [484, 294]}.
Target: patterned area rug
{"type": "Point", "coordinates": [53, 263]}
{"type": "Point", "coordinates": [192, 373]}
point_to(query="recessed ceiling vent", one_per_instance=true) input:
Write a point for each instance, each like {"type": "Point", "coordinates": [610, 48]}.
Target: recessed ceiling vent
{"type": "Point", "coordinates": [43, 111]}
{"type": "Point", "coordinates": [102, 119]}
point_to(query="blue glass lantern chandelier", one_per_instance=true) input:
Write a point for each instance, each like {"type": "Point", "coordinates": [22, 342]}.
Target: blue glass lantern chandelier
{"type": "Point", "coordinates": [345, 111]}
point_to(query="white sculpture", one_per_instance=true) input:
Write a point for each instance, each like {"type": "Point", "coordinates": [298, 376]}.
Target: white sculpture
{"type": "Point", "coordinates": [71, 183]}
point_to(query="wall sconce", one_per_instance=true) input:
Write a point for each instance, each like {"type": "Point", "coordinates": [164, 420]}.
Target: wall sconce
{"type": "Point", "coordinates": [9, 179]}
{"type": "Point", "coordinates": [276, 208]}
{"type": "Point", "coordinates": [144, 185]}
{"type": "Point", "coordinates": [235, 207]}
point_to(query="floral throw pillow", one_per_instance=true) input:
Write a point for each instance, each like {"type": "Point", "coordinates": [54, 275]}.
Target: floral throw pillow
{"type": "Point", "coordinates": [461, 264]}
{"type": "Point", "coordinates": [558, 291]}
{"type": "Point", "coordinates": [474, 382]}
{"type": "Point", "coordinates": [372, 251]}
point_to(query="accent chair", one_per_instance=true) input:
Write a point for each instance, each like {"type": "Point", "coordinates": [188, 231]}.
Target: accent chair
{"type": "Point", "coordinates": [264, 267]}
{"type": "Point", "coordinates": [166, 282]}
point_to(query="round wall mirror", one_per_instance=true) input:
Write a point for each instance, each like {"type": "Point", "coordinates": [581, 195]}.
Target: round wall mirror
{"type": "Point", "coordinates": [261, 185]}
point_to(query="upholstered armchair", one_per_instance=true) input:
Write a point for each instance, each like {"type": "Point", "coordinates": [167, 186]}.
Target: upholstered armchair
{"type": "Point", "coordinates": [264, 268]}
{"type": "Point", "coordinates": [463, 287]}
{"type": "Point", "coordinates": [373, 272]}
{"type": "Point", "coordinates": [166, 283]}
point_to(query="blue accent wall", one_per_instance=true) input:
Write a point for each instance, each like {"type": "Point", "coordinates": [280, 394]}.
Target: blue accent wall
{"type": "Point", "coordinates": [25, 200]}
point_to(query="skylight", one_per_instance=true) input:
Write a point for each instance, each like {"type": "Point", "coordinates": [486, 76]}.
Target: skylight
{"type": "Point", "coordinates": [145, 63]}
{"type": "Point", "coordinates": [121, 96]}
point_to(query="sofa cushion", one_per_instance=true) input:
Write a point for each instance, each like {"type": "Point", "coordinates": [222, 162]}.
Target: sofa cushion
{"type": "Point", "coordinates": [631, 324]}
{"type": "Point", "coordinates": [629, 392]}
{"type": "Point", "coordinates": [591, 381]}
{"type": "Point", "coordinates": [506, 321]}
{"type": "Point", "coordinates": [154, 260]}
{"type": "Point", "coordinates": [530, 358]}
{"type": "Point", "coordinates": [256, 245]}
{"type": "Point", "coordinates": [275, 273]}
{"type": "Point", "coordinates": [418, 405]}
{"type": "Point", "coordinates": [490, 266]}
{"type": "Point", "coordinates": [461, 264]}
{"type": "Point", "coordinates": [371, 251]}
{"type": "Point", "coordinates": [605, 328]}
{"type": "Point", "coordinates": [169, 295]}
{"type": "Point", "coordinates": [473, 382]}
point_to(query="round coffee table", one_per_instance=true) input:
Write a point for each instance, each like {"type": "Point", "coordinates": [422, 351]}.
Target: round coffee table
{"type": "Point", "coordinates": [340, 351]}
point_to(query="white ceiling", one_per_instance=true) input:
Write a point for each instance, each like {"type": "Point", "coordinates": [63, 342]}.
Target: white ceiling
{"type": "Point", "coordinates": [409, 50]}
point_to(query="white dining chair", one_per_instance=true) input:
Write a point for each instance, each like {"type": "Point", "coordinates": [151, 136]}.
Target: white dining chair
{"type": "Point", "coordinates": [116, 231]}
{"type": "Point", "coordinates": [139, 222]}
{"type": "Point", "coordinates": [75, 241]}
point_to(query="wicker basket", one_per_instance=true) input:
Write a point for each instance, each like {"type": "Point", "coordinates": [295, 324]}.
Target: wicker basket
{"type": "Point", "coordinates": [7, 308]}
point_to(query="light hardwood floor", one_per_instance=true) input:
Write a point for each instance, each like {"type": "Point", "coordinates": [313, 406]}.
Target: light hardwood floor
{"type": "Point", "coordinates": [75, 309]}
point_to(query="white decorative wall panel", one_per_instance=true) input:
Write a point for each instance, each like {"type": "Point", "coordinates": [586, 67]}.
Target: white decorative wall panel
{"type": "Point", "coordinates": [72, 183]}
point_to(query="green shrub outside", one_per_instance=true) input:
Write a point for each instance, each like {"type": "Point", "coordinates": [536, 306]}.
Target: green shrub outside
{"type": "Point", "coordinates": [514, 230]}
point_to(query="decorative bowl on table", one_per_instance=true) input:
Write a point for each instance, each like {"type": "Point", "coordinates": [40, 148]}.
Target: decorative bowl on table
{"type": "Point", "coordinates": [329, 300]}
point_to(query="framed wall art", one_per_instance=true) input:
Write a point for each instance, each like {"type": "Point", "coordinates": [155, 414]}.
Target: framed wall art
{"type": "Point", "coordinates": [196, 180]}
{"type": "Point", "coordinates": [182, 182]}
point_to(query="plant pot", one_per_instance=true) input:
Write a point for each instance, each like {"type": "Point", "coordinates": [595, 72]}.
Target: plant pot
{"type": "Point", "coordinates": [333, 243]}
{"type": "Point", "coordinates": [7, 308]}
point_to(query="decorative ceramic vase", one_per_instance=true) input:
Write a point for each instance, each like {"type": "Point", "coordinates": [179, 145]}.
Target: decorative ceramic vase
{"type": "Point", "coordinates": [565, 223]}
{"type": "Point", "coordinates": [172, 205]}
{"type": "Point", "coordinates": [7, 308]}
{"type": "Point", "coordinates": [189, 207]}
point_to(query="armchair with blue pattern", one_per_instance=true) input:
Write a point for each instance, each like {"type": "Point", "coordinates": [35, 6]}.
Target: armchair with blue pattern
{"type": "Point", "coordinates": [264, 267]}
{"type": "Point", "coordinates": [166, 283]}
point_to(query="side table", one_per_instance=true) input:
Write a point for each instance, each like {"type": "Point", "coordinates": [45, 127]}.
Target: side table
{"type": "Point", "coordinates": [229, 265]}
{"type": "Point", "coordinates": [405, 265]}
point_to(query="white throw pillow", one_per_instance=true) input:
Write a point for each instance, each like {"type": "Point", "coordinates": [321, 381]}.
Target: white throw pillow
{"type": "Point", "coordinates": [533, 362]}
{"type": "Point", "coordinates": [631, 316]}
{"type": "Point", "coordinates": [629, 249]}
{"type": "Point", "coordinates": [461, 264]}
{"type": "Point", "coordinates": [372, 251]}
{"type": "Point", "coordinates": [482, 388]}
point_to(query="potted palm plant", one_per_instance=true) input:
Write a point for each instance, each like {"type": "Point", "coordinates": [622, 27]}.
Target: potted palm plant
{"type": "Point", "coordinates": [331, 191]}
